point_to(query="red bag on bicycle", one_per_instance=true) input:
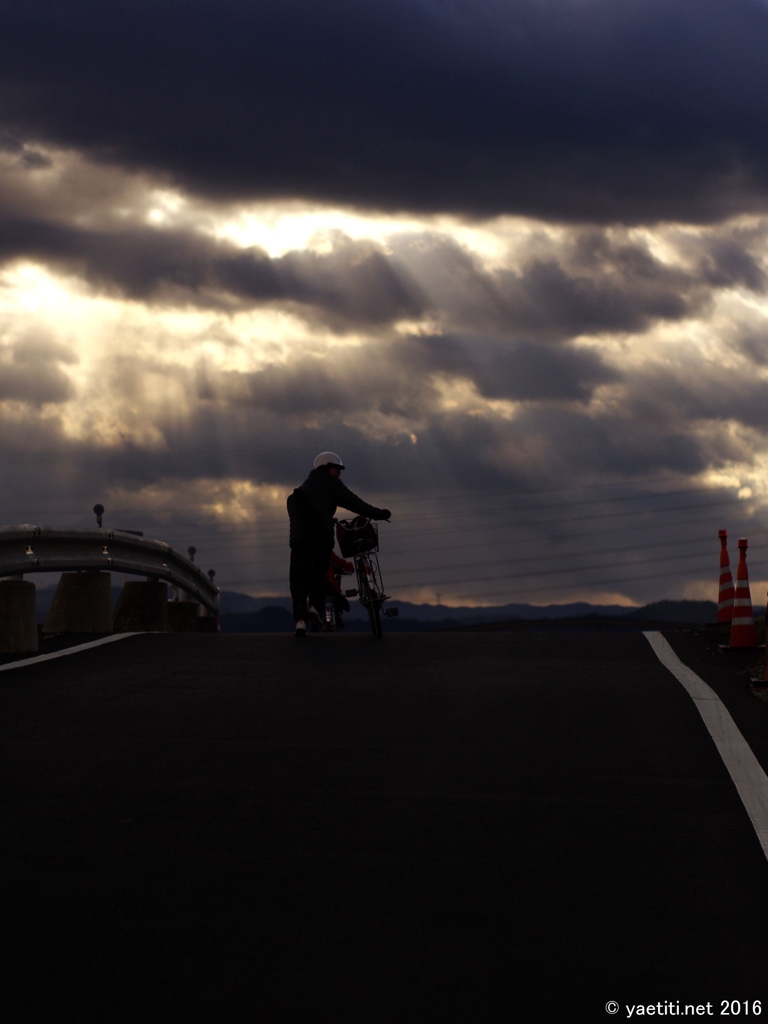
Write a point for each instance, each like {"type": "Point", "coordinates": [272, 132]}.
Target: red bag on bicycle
{"type": "Point", "coordinates": [356, 536]}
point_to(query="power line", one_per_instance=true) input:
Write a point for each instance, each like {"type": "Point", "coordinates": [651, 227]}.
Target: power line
{"type": "Point", "coordinates": [605, 515]}
{"type": "Point", "coordinates": [483, 510]}
{"type": "Point", "coordinates": [548, 557]}
{"type": "Point", "coordinates": [431, 582]}
{"type": "Point", "coordinates": [560, 571]}
{"type": "Point", "coordinates": [446, 526]}
{"type": "Point", "coordinates": [553, 557]}
{"type": "Point", "coordinates": [624, 529]}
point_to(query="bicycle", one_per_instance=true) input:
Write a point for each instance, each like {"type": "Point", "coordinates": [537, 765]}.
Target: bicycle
{"type": "Point", "coordinates": [359, 540]}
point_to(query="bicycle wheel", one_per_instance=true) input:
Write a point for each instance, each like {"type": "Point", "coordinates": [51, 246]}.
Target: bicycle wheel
{"type": "Point", "coordinates": [368, 596]}
{"type": "Point", "coordinates": [374, 614]}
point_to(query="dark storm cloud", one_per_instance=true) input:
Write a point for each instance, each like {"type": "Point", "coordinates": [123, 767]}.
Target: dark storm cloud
{"type": "Point", "coordinates": [249, 423]}
{"type": "Point", "coordinates": [354, 281]}
{"type": "Point", "coordinates": [587, 283]}
{"type": "Point", "coordinates": [258, 424]}
{"type": "Point", "coordinates": [398, 378]}
{"type": "Point", "coordinates": [728, 263]}
{"type": "Point", "coordinates": [253, 426]}
{"type": "Point", "coordinates": [754, 346]}
{"type": "Point", "coordinates": [675, 419]}
{"type": "Point", "coordinates": [30, 371]}
{"type": "Point", "coordinates": [513, 370]}
{"type": "Point", "coordinates": [354, 284]}
{"type": "Point", "coordinates": [596, 110]}
{"type": "Point", "coordinates": [29, 158]}
{"type": "Point", "coordinates": [671, 395]}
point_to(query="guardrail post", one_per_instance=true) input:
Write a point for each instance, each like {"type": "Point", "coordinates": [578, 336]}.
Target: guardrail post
{"type": "Point", "coordinates": [216, 614]}
{"type": "Point", "coordinates": [207, 623]}
{"type": "Point", "coordinates": [183, 616]}
{"type": "Point", "coordinates": [18, 617]}
{"type": "Point", "coordinates": [82, 604]}
{"type": "Point", "coordinates": [142, 607]}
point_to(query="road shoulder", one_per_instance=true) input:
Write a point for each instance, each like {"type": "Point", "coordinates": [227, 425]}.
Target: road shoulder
{"type": "Point", "coordinates": [728, 675]}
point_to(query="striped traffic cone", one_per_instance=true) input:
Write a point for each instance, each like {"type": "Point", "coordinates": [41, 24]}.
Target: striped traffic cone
{"type": "Point", "coordinates": [725, 594]}
{"type": "Point", "coordinates": [743, 632]}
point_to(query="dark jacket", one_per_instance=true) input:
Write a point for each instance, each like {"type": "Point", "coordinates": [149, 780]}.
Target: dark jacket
{"type": "Point", "coordinates": [312, 506]}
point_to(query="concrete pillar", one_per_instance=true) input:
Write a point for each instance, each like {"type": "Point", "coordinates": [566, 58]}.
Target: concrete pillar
{"type": "Point", "coordinates": [18, 617]}
{"type": "Point", "coordinates": [183, 616]}
{"type": "Point", "coordinates": [82, 604]}
{"type": "Point", "coordinates": [142, 607]}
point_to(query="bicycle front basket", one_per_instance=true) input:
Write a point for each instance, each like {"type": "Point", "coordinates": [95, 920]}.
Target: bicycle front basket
{"type": "Point", "coordinates": [357, 536]}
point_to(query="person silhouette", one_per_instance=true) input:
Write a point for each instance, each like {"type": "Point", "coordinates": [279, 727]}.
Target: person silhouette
{"type": "Point", "coordinates": [311, 508]}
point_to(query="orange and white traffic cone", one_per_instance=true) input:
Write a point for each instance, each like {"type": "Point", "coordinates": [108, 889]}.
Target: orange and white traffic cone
{"type": "Point", "coordinates": [743, 632]}
{"type": "Point", "coordinates": [726, 593]}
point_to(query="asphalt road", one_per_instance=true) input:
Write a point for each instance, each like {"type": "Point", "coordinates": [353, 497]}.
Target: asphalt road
{"type": "Point", "coordinates": [437, 827]}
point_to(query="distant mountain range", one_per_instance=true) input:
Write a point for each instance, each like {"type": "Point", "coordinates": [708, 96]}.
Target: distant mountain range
{"type": "Point", "coordinates": [241, 613]}
{"type": "Point", "coordinates": [232, 602]}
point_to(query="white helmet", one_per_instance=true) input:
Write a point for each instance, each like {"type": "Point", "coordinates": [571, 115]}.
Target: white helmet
{"type": "Point", "coordinates": [328, 459]}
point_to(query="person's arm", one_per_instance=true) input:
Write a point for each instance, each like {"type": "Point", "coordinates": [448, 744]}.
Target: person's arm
{"type": "Point", "coordinates": [341, 565]}
{"type": "Point", "coordinates": [347, 499]}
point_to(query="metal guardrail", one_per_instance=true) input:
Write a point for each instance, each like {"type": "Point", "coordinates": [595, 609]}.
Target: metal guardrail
{"type": "Point", "coordinates": [26, 549]}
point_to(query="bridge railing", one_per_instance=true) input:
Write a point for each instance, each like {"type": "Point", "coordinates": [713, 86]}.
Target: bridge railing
{"type": "Point", "coordinates": [27, 549]}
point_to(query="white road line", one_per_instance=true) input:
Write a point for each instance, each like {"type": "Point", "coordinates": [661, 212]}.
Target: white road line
{"type": "Point", "coordinates": [64, 651]}
{"type": "Point", "coordinates": [744, 768]}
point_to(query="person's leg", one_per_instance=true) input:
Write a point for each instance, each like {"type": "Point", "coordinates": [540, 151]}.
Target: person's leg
{"type": "Point", "coordinates": [300, 577]}
{"type": "Point", "coordinates": [321, 558]}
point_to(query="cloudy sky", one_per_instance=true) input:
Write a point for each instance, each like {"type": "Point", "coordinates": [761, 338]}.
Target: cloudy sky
{"type": "Point", "coordinates": [508, 258]}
